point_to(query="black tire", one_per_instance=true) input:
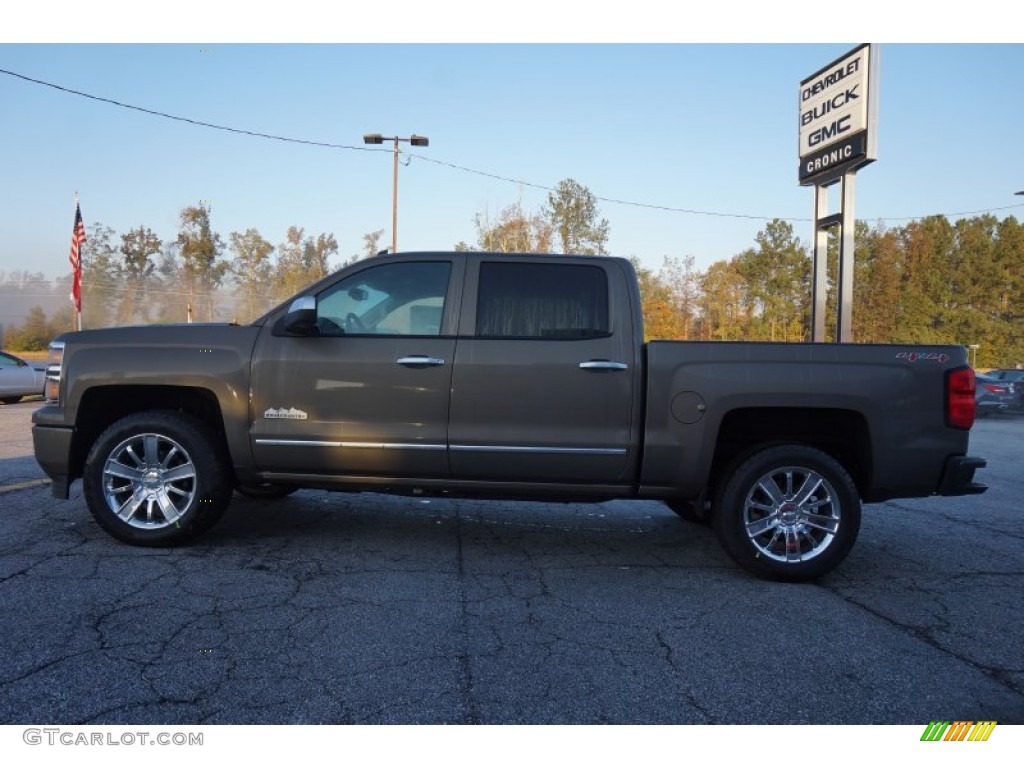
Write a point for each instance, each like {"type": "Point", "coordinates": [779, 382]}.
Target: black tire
{"type": "Point", "coordinates": [788, 513]}
{"type": "Point", "coordinates": [691, 511]}
{"type": "Point", "coordinates": [10, 400]}
{"type": "Point", "coordinates": [167, 473]}
{"type": "Point", "coordinates": [266, 490]}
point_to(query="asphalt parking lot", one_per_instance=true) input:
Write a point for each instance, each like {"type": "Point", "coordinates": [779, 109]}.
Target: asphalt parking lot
{"type": "Point", "coordinates": [341, 608]}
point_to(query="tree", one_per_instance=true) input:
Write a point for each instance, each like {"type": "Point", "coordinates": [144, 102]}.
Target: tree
{"type": "Point", "coordinates": [371, 247]}
{"type": "Point", "coordinates": [572, 212]}
{"type": "Point", "coordinates": [724, 304]}
{"type": "Point", "coordinates": [876, 284]}
{"type": "Point", "coordinates": [316, 254]}
{"type": "Point", "coordinates": [202, 269]}
{"type": "Point", "coordinates": [658, 303]}
{"type": "Point", "coordinates": [514, 231]}
{"type": "Point", "coordinates": [302, 260]}
{"type": "Point", "coordinates": [102, 277]}
{"type": "Point", "coordinates": [683, 280]}
{"type": "Point", "coordinates": [777, 275]}
{"type": "Point", "coordinates": [138, 246]}
{"type": "Point", "coordinates": [288, 277]}
{"type": "Point", "coordinates": [31, 336]}
{"type": "Point", "coordinates": [252, 270]}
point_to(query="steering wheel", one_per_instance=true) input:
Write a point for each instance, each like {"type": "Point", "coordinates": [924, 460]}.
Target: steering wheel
{"type": "Point", "coordinates": [353, 324]}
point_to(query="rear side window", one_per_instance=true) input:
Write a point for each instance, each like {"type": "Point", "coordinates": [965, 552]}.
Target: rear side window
{"type": "Point", "coordinates": [542, 301]}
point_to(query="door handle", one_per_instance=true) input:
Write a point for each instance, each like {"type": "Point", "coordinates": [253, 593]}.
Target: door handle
{"type": "Point", "coordinates": [417, 361]}
{"type": "Point", "coordinates": [603, 365]}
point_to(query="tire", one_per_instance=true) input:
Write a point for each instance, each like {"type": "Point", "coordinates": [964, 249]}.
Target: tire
{"type": "Point", "coordinates": [10, 400]}
{"type": "Point", "coordinates": [266, 490]}
{"type": "Point", "coordinates": [163, 472]}
{"type": "Point", "coordinates": [788, 513]}
{"type": "Point", "coordinates": [691, 511]}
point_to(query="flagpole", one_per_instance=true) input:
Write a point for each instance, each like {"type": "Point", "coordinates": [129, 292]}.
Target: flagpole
{"type": "Point", "coordinates": [76, 276]}
{"type": "Point", "coordinates": [78, 312]}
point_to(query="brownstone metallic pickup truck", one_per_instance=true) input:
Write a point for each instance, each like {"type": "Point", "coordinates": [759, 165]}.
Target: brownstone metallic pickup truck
{"type": "Point", "coordinates": [490, 375]}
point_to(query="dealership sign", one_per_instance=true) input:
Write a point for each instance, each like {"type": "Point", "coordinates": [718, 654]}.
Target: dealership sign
{"type": "Point", "coordinates": [838, 117]}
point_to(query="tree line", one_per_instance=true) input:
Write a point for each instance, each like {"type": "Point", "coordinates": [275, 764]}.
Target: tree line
{"type": "Point", "coordinates": [930, 281]}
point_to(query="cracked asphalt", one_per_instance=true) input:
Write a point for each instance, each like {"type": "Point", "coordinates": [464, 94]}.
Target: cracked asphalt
{"type": "Point", "coordinates": [359, 608]}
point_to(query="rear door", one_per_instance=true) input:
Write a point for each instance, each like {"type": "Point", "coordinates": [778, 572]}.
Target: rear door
{"type": "Point", "coordinates": [546, 374]}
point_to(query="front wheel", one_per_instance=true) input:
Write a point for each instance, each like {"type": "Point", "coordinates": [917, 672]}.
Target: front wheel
{"type": "Point", "coordinates": [788, 513]}
{"type": "Point", "coordinates": [156, 479]}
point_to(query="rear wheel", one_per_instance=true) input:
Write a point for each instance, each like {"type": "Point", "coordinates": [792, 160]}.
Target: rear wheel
{"type": "Point", "coordinates": [156, 479]}
{"type": "Point", "coordinates": [788, 513]}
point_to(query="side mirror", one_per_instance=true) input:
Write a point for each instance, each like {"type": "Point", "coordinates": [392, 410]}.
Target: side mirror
{"type": "Point", "coordinates": [301, 317]}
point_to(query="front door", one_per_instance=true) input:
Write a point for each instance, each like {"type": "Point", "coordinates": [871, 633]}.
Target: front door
{"type": "Point", "coordinates": [368, 394]}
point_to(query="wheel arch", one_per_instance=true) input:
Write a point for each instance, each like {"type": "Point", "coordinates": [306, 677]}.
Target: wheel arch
{"type": "Point", "coordinates": [102, 406]}
{"type": "Point", "coordinates": [842, 434]}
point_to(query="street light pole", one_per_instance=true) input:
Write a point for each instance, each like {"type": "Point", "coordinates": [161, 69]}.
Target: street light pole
{"type": "Point", "coordinates": [414, 140]}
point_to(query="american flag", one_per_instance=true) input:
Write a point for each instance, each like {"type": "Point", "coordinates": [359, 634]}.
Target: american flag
{"type": "Point", "coordinates": [75, 257]}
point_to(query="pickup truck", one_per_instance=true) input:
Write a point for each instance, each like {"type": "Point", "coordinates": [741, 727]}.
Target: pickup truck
{"type": "Point", "coordinates": [502, 376]}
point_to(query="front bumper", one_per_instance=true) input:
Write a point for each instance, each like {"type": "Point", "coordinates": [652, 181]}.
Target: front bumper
{"type": "Point", "coordinates": [958, 476]}
{"type": "Point", "coordinates": [53, 453]}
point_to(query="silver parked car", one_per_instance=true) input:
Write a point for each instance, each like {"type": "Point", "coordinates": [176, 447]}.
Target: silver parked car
{"type": "Point", "coordinates": [19, 378]}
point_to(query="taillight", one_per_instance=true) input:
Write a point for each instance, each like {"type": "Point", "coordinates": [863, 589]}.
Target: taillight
{"type": "Point", "coordinates": [994, 388]}
{"type": "Point", "coordinates": [54, 363]}
{"type": "Point", "coordinates": [960, 398]}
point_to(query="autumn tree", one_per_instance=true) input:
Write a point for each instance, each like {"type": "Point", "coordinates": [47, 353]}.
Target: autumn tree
{"type": "Point", "coordinates": [302, 260]}
{"type": "Point", "coordinates": [316, 255]}
{"type": "Point", "coordinates": [876, 284]}
{"type": "Point", "coordinates": [138, 246]}
{"type": "Point", "coordinates": [724, 305]}
{"type": "Point", "coordinates": [252, 270]}
{"type": "Point", "coordinates": [659, 304]}
{"type": "Point", "coordinates": [777, 280]}
{"type": "Point", "coordinates": [514, 231]}
{"type": "Point", "coordinates": [572, 211]}
{"type": "Point", "coordinates": [201, 269]}
{"type": "Point", "coordinates": [31, 336]}
{"type": "Point", "coordinates": [102, 277]}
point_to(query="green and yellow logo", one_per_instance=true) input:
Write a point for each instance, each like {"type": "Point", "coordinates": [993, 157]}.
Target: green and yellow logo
{"type": "Point", "coordinates": [959, 730]}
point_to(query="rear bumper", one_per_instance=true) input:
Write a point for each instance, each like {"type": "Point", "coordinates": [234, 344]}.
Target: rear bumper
{"type": "Point", "coordinates": [958, 476]}
{"type": "Point", "coordinates": [53, 453]}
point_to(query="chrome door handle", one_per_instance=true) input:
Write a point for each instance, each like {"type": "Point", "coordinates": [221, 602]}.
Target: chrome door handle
{"type": "Point", "coordinates": [419, 360]}
{"type": "Point", "coordinates": [603, 365]}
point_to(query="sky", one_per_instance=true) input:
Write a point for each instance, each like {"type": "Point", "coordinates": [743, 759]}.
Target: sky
{"type": "Point", "coordinates": [689, 141]}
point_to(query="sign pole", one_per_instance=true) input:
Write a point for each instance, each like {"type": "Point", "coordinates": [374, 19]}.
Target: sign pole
{"type": "Point", "coordinates": [819, 277]}
{"type": "Point", "coordinates": [844, 324]}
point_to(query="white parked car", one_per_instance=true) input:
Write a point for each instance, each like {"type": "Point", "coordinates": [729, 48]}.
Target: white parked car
{"type": "Point", "coordinates": [19, 378]}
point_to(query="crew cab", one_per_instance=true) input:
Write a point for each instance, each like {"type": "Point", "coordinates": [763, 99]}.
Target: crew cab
{"type": "Point", "coordinates": [513, 376]}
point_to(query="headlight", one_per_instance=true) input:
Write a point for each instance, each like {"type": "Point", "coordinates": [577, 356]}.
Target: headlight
{"type": "Point", "coordinates": [54, 363]}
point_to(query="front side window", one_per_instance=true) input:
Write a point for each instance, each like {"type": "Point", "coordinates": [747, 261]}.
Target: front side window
{"type": "Point", "coordinates": [542, 301]}
{"type": "Point", "coordinates": [404, 299]}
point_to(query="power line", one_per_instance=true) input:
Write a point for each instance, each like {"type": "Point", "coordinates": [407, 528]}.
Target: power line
{"type": "Point", "coordinates": [183, 119]}
{"type": "Point", "coordinates": [454, 166]}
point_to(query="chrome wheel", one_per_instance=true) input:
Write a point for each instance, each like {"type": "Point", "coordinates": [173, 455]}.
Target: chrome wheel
{"type": "Point", "coordinates": [149, 481]}
{"type": "Point", "coordinates": [787, 512]}
{"type": "Point", "coordinates": [791, 514]}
